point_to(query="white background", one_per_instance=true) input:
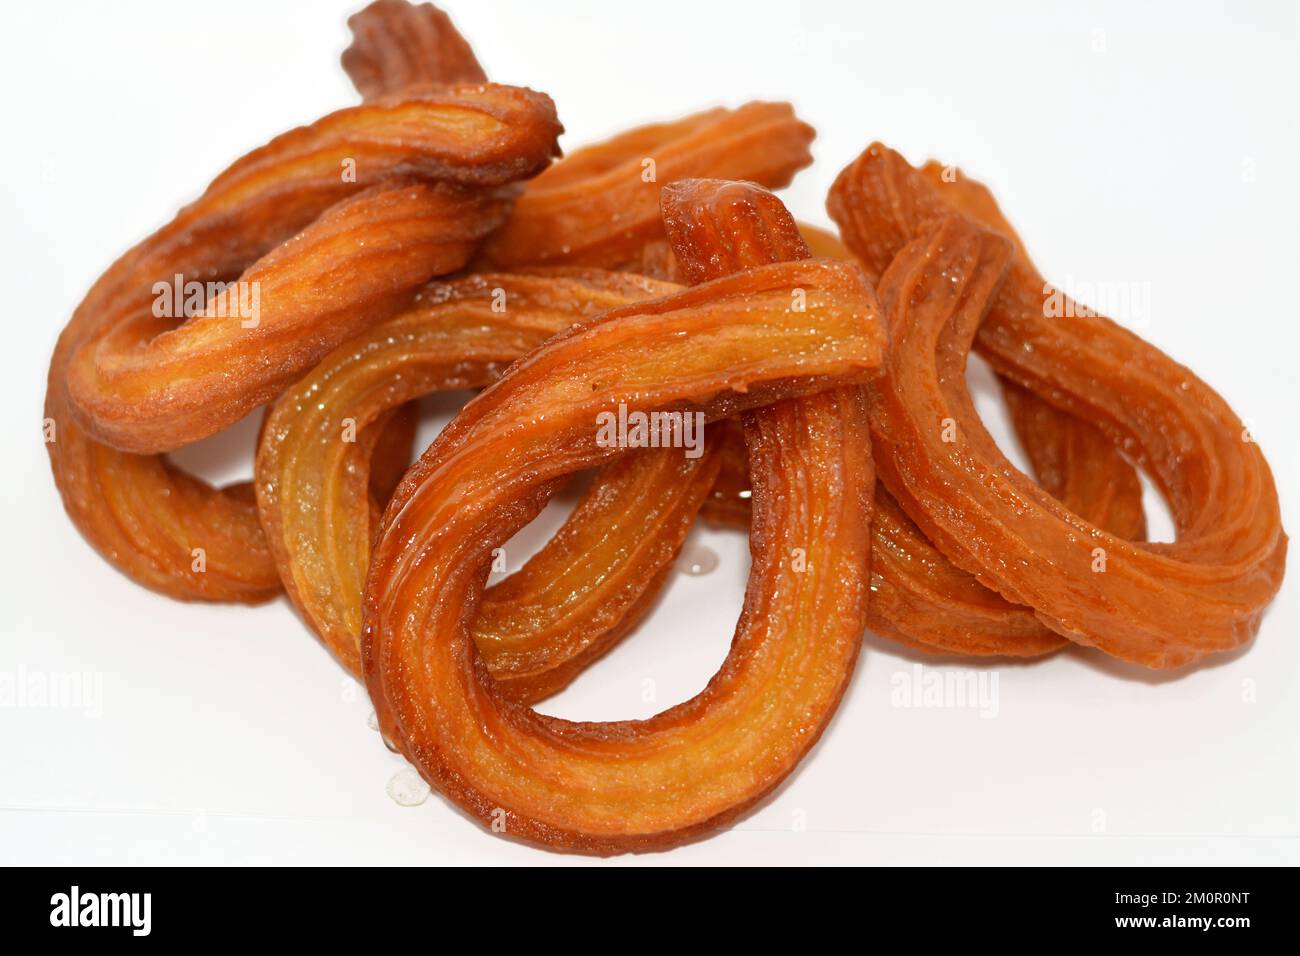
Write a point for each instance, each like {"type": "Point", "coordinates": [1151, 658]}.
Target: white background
{"type": "Point", "coordinates": [1149, 144]}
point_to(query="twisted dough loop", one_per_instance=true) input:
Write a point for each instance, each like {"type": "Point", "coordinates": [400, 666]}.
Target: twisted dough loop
{"type": "Point", "coordinates": [155, 386]}
{"type": "Point", "coordinates": [145, 390]}
{"type": "Point", "coordinates": [144, 514]}
{"type": "Point", "coordinates": [722, 348]}
{"type": "Point", "coordinates": [785, 355]}
{"type": "Point", "coordinates": [1162, 605]}
{"type": "Point", "coordinates": [172, 532]}
{"type": "Point", "coordinates": [570, 602]}
{"type": "Point", "coordinates": [919, 598]}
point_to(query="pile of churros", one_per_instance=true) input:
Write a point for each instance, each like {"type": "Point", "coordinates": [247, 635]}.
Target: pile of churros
{"type": "Point", "coordinates": [432, 239]}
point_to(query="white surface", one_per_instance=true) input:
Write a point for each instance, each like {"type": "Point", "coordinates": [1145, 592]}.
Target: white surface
{"type": "Point", "coordinates": [1151, 145]}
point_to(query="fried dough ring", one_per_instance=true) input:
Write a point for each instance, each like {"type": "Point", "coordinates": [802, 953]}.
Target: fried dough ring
{"type": "Point", "coordinates": [440, 61]}
{"type": "Point", "coordinates": [541, 626]}
{"type": "Point", "coordinates": [144, 515]}
{"type": "Point", "coordinates": [921, 599]}
{"type": "Point", "coordinates": [1161, 605]}
{"type": "Point", "coordinates": [1071, 459]}
{"type": "Point", "coordinates": [145, 392]}
{"type": "Point", "coordinates": [722, 348]}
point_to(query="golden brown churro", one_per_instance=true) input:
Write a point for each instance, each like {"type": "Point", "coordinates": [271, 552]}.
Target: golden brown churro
{"type": "Point", "coordinates": [722, 348]}
{"type": "Point", "coordinates": [426, 241]}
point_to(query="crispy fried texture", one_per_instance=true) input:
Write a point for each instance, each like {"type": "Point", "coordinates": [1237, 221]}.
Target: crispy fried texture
{"type": "Point", "coordinates": [919, 598]}
{"type": "Point", "coordinates": [1071, 459]}
{"type": "Point", "coordinates": [1077, 464]}
{"type": "Point", "coordinates": [340, 225]}
{"type": "Point", "coordinates": [722, 348]}
{"type": "Point", "coordinates": [1161, 605]}
{"type": "Point", "coordinates": [657, 259]}
{"type": "Point", "coordinates": [149, 385]}
{"type": "Point", "coordinates": [144, 515]}
{"type": "Point", "coordinates": [398, 45]}
{"type": "Point", "coordinates": [571, 601]}
{"type": "Point", "coordinates": [143, 386]}
{"type": "Point", "coordinates": [718, 227]}
{"type": "Point", "coordinates": [602, 572]}
{"type": "Point", "coordinates": [600, 205]}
